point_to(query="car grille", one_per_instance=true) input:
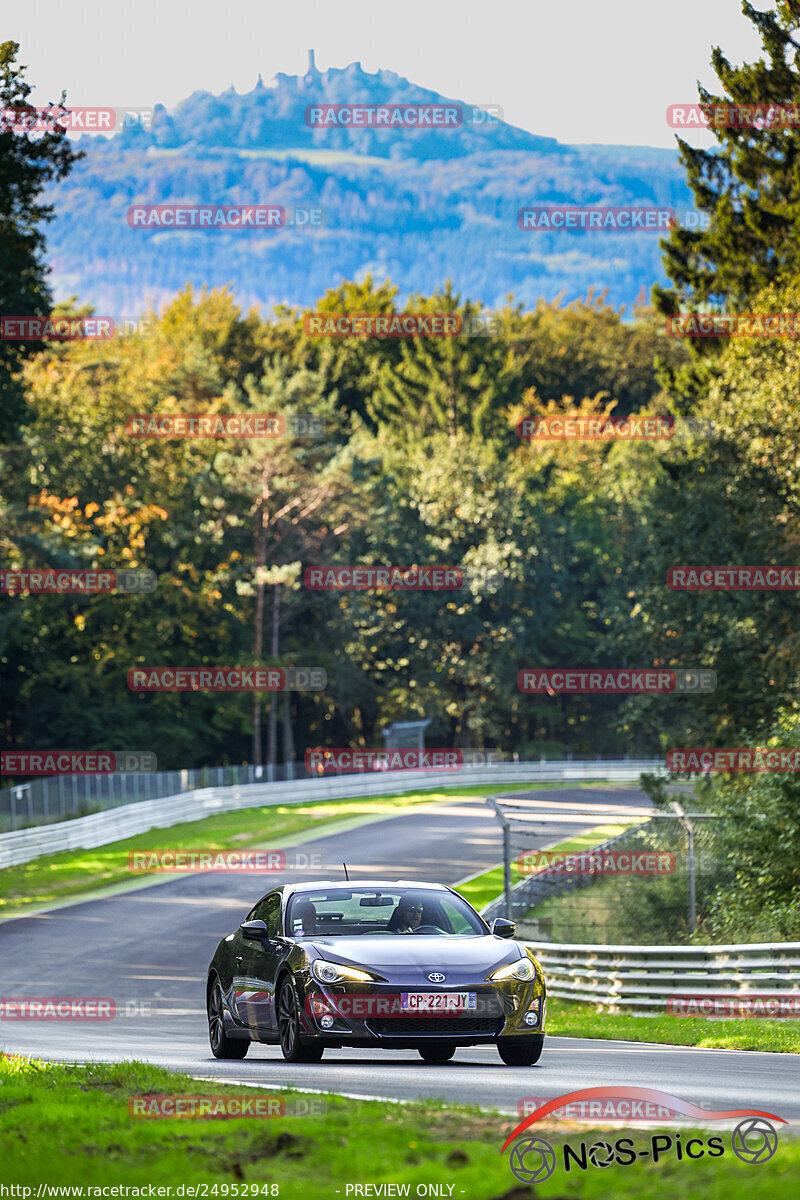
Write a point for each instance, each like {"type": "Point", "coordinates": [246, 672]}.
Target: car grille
{"type": "Point", "coordinates": [434, 1026]}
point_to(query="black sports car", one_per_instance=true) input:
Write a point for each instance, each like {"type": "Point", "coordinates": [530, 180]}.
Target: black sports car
{"type": "Point", "coordinates": [395, 964]}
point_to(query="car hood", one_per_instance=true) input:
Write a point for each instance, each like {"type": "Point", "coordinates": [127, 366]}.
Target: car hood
{"type": "Point", "coordinates": [427, 953]}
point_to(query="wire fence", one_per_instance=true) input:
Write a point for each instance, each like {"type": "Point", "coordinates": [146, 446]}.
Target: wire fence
{"type": "Point", "coordinates": [62, 797]}
{"type": "Point", "coordinates": [641, 887]}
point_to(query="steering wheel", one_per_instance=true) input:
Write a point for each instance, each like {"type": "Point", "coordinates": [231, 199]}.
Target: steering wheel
{"type": "Point", "coordinates": [429, 929]}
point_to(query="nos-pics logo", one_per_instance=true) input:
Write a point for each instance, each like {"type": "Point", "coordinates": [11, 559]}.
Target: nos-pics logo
{"type": "Point", "coordinates": [533, 1159]}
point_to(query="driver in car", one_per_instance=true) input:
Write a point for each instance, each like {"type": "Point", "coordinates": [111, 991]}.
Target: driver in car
{"type": "Point", "coordinates": [305, 915]}
{"type": "Point", "coordinates": [407, 917]}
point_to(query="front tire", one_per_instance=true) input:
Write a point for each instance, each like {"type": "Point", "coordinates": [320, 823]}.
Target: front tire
{"type": "Point", "coordinates": [436, 1054]}
{"type": "Point", "coordinates": [521, 1054]}
{"type": "Point", "coordinates": [221, 1045]}
{"type": "Point", "coordinates": [292, 1047]}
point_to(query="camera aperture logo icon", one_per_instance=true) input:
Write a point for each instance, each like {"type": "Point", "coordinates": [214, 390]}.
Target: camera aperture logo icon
{"type": "Point", "coordinates": [754, 1140]}
{"type": "Point", "coordinates": [532, 1160]}
{"type": "Point", "coordinates": [601, 1154]}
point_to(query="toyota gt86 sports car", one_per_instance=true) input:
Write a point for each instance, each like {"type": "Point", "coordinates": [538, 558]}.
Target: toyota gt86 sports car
{"type": "Point", "coordinates": [374, 963]}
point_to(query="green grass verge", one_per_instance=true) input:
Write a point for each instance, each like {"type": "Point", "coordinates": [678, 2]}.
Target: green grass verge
{"type": "Point", "coordinates": [568, 1019]}
{"type": "Point", "coordinates": [55, 877]}
{"type": "Point", "coordinates": [481, 890]}
{"type": "Point", "coordinates": [70, 1126]}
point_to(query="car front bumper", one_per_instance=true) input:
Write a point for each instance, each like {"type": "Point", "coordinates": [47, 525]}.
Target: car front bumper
{"type": "Point", "coordinates": [363, 1014]}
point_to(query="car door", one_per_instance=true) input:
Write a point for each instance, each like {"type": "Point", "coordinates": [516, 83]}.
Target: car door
{"type": "Point", "coordinates": [256, 973]}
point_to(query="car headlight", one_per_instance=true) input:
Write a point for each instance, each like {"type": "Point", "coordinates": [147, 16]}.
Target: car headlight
{"type": "Point", "coordinates": [523, 969]}
{"type": "Point", "coordinates": [329, 972]}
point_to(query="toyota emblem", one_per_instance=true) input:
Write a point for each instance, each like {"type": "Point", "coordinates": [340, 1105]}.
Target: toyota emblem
{"type": "Point", "coordinates": [437, 977]}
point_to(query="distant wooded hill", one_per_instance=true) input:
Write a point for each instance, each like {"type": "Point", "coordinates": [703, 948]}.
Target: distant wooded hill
{"type": "Point", "coordinates": [416, 206]}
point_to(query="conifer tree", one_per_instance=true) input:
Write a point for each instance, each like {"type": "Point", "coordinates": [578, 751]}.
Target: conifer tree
{"type": "Point", "coordinates": [749, 185]}
{"type": "Point", "coordinates": [28, 161]}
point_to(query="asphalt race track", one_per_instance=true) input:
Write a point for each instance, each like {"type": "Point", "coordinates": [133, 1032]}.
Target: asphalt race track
{"type": "Point", "coordinates": [149, 949]}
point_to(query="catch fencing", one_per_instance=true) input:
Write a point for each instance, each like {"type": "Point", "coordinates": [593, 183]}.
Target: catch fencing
{"type": "Point", "coordinates": [61, 797]}
{"type": "Point", "coordinates": [672, 865]}
{"type": "Point", "coordinates": [543, 885]}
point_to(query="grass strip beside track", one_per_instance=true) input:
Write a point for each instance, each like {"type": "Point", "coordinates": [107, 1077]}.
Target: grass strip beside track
{"type": "Point", "coordinates": [80, 1114]}
{"type": "Point", "coordinates": [565, 1018]}
{"type": "Point", "coordinates": [71, 873]}
{"type": "Point", "coordinates": [55, 877]}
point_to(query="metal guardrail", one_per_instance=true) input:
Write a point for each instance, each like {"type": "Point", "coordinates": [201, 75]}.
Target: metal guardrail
{"type": "Point", "coordinates": [641, 979]}
{"type": "Point", "coordinates": [99, 829]}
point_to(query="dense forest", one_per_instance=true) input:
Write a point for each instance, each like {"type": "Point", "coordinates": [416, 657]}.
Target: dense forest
{"type": "Point", "coordinates": [415, 460]}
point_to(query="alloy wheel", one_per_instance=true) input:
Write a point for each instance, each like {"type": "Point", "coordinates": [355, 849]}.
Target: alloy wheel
{"type": "Point", "coordinates": [288, 1021]}
{"type": "Point", "coordinates": [216, 1020]}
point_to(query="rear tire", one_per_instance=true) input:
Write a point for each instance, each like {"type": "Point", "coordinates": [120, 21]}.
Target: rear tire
{"type": "Point", "coordinates": [521, 1054]}
{"type": "Point", "coordinates": [436, 1054]}
{"type": "Point", "coordinates": [221, 1045]}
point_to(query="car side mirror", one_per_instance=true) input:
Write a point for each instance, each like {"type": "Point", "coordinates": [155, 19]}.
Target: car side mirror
{"type": "Point", "coordinates": [503, 928]}
{"type": "Point", "coordinates": [255, 931]}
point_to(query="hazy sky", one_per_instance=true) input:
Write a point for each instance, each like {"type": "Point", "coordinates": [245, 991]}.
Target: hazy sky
{"type": "Point", "coordinates": [578, 70]}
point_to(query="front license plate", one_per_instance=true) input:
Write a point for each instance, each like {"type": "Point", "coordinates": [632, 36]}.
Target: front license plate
{"type": "Point", "coordinates": [438, 1001]}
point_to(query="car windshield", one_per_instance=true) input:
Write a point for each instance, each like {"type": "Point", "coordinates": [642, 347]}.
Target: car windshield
{"type": "Point", "coordinates": [348, 912]}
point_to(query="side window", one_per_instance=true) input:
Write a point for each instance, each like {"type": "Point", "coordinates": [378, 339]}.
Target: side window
{"type": "Point", "coordinates": [269, 911]}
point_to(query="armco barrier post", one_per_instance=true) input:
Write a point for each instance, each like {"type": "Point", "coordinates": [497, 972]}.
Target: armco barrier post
{"type": "Point", "coordinates": [689, 828]}
{"type": "Point", "coordinates": [507, 871]}
{"type": "Point", "coordinates": [506, 856]}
